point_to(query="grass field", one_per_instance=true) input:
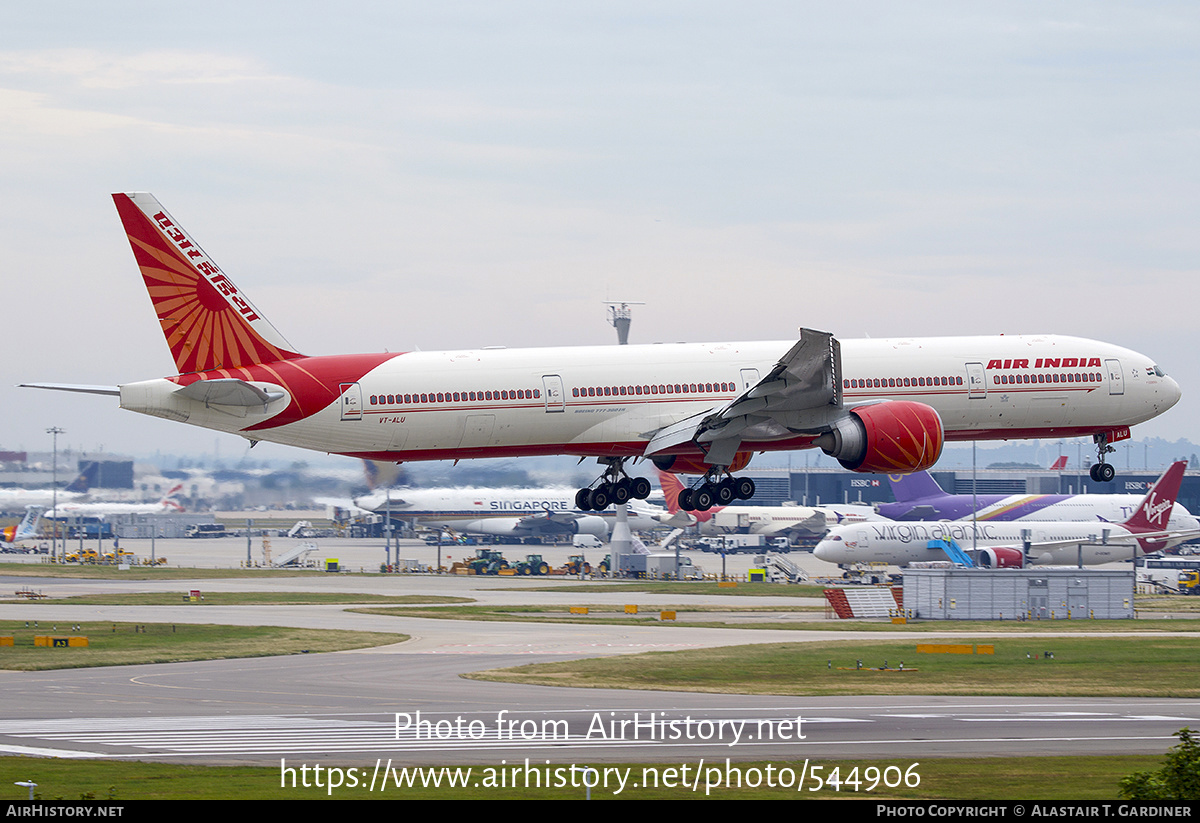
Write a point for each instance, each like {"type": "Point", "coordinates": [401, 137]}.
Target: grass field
{"type": "Point", "coordinates": [1001, 778]}
{"type": "Point", "coordinates": [1080, 666]}
{"type": "Point", "coordinates": [709, 616]}
{"type": "Point", "coordinates": [118, 644]}
{"type": "Point", "coordinates": [210, 598]}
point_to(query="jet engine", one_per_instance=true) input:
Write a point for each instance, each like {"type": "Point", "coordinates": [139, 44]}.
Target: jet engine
{"type": "Point", "coordinates": [897, 437]}
{"type": "Point", "coordinates": [592, 524]}
{"type": "Point", "coordinates": [1000, 558]}
{"type": "Point", "coordinates": [694, 464]}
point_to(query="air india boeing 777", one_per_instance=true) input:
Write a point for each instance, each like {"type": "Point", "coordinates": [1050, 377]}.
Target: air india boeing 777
{"type": "Point", "coordinates": [883, 406]}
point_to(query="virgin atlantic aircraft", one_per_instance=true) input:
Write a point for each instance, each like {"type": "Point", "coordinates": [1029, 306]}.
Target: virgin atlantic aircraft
{"type": "Point", "coordinates": [882, 406]}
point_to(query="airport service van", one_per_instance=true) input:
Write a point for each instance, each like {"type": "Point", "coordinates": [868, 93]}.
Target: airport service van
{"type": "Point", "coordinates": [744, 544]}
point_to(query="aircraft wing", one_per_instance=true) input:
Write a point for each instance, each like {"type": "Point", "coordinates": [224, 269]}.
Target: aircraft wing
{"type": "Point", "coordinates": [802, 391]}
{"type": "Point", "coordinates": [1100, 539]}
{"type": "Point", "coordinates": [548, 523]}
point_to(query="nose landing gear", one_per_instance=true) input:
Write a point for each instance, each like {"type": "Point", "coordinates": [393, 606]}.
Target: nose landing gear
{"type": "Point", "coordinates": [1102, 472]}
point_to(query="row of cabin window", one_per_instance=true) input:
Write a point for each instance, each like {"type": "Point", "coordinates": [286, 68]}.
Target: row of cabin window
{"type": "Point", "coordinates": [676, 388]}
{"type": "Point", "coordinates": [900, 382]}
{"type": "Point", "coordinates": [1070, 377]}
{"type": "Point", "coordinates": [455, 397]}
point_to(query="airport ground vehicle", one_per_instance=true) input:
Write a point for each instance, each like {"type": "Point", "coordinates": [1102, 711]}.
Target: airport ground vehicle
{"type": "Point", "coordinates": [201, 530]}
{"type": "Point", "coordinates": [532, 564]}
{"type": "Point", "coordinates": [487, 561]}
{"type": "Point", "coordinates": [577, 565]}
{"type": "Point", "coordinates": [1189, 582]}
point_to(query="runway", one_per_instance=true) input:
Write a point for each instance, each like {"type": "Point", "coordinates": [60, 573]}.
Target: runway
{"type": "Point", "coordinates": [406, 703]}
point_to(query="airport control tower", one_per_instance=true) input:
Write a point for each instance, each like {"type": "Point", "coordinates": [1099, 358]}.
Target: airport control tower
{"type": "Point", "coordinates": [620, 316]}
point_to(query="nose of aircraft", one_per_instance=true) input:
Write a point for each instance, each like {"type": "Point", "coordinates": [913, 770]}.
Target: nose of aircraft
{"type": "Point", "coordinates": [825, 551]}
{"type": "Point", "coordinates": [1171, 392]}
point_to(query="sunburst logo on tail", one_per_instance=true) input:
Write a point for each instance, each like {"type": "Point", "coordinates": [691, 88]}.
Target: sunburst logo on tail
{"type": "Point", "coordinates": [208, 323]}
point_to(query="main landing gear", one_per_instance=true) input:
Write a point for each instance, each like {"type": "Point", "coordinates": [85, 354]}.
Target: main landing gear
{"type": "Point", "coordinates": [1102, 472]}
{"type": "Point", "coordinates": [616, 487]}
{"type": "Point", "coordinates": [714, 492]}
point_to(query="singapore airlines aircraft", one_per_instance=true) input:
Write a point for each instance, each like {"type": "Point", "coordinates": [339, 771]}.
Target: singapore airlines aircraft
{"type": "Point", "coordinates": [506, 512]}
{"type": "Point", "coordinates": [165, 504]}
{"type": "Point", "coordinates": [1016, 544]}
{"type": "Point", "coordinates": [883, 406]}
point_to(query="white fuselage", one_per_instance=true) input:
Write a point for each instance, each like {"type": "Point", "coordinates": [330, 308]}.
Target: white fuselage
{"type": "Point", "coordinates": [610, 400]}
{"type": "Point", "coordinates": [901, 543]}
{"type": "Point", "coordinates": [504, 512]}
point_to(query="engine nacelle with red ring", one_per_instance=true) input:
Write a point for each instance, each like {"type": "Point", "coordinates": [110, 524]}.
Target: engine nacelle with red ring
{"type": "Point", "coordinates": [1000, 558]}
{"type": "Point", "coordinates": [897, 437]}
{"type": "Point", "coordinates": [694, 464]}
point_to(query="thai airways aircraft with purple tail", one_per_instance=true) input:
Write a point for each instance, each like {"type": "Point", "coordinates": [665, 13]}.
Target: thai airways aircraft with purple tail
{"type": "Point", "coordinates": [919, 497]}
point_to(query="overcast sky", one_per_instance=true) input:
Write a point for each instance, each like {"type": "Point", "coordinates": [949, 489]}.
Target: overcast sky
{"type": "Point", "coordinates": [416, 175]}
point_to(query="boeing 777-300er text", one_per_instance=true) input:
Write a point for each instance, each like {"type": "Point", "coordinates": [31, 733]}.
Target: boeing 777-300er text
{"type": "Point", "coordinates": [883, 406]}
{"type": "Point", "coordinates": [1014, 544]}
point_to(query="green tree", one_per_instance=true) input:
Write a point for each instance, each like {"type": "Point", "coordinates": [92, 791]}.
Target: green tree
{"type": "Point", "coordinates": [1178, 779]}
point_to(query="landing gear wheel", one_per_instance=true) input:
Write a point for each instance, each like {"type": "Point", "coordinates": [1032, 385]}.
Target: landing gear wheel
{"type": "Point", "coordinates": [744, 487]}
{"type": "Point", "coordinates": [685, 500]}
{"type": "Point", "coordinates": [1103, 472]}
{"type": "Point", "coordinates": [639, 487]}
{"type": "Point", "coordinates": [621, 491]}
{"type": "Point", "coordinates": [702, 498]}
{"type": "Point", "coordinates": [600, 498]}
{"type": "Point", "coordinates": [583, 500]}
{"type": "Point", "coordinates": [725, 492]}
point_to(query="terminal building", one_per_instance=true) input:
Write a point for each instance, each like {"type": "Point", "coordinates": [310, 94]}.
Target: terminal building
{"type": "Point", "coordinates": [815, 486]}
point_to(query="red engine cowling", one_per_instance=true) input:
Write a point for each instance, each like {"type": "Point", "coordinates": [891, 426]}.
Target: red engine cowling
{"type": "Point", "coordinates": [898, 437]}
{"type": "Point", "coordinates": [1000, 558]}
{"type": "Point", "coordinates": [694, 464]}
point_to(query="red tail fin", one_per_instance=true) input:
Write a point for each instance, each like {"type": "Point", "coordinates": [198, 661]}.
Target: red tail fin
{"type": "Point", "coordinates": [208, 323]}
{"type": "Point", "coordinates": [671, 487]}
{"type": "Point", "coordinates": [1155, 509]}
{"type": "Point", "coordinates": [1059, 464]}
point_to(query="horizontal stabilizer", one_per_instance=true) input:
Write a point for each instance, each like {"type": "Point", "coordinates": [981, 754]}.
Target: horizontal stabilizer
{"type": "Point", "coordinates": [114, 391]}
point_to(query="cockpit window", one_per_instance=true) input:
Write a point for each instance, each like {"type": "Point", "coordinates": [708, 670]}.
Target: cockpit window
{"type": "Point", "coordinates": [1157, 371]}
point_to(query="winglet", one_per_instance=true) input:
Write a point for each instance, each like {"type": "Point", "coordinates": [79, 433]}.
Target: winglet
{"type": "Point", "coordinates": [209, 324]}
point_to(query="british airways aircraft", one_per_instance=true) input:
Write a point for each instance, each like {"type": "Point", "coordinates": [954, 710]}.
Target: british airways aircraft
{"type": "Point", "coordinates": [882, 406]}
{"type": "Point", "coordinates": [1016, 544]}
{"type": "Point", "coordinates": [919, 497]}
{"type": "Point", "coordinates": [166, 503]}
